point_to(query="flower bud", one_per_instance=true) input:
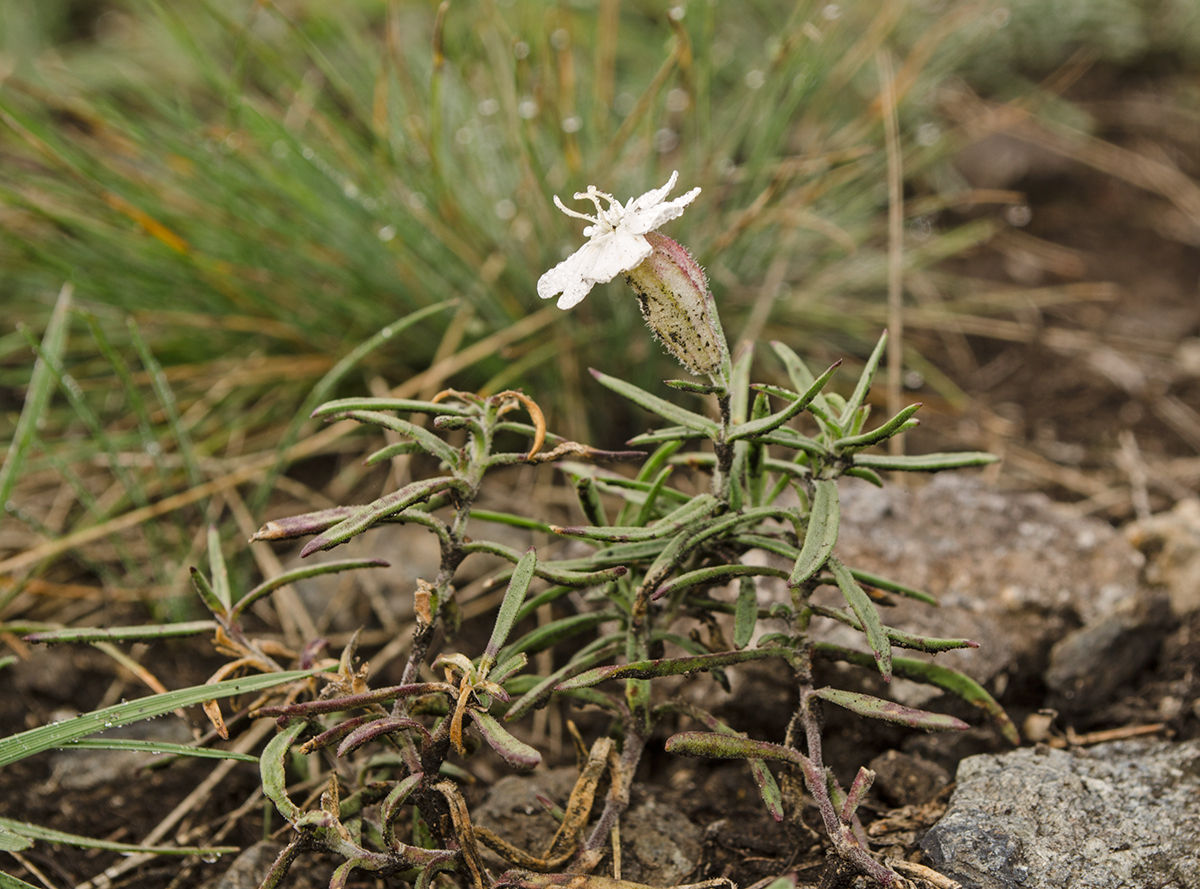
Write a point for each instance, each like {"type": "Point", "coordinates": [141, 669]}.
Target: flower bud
{"type": "Point", "coordinates": [679, 309]}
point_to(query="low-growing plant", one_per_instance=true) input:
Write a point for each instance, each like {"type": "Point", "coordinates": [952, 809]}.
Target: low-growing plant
{"type": "Point", "coordinates": [686, 520]}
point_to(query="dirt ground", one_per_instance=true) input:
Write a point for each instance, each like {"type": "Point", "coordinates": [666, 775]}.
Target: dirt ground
{"type": "Point", "coordinates": [1094, 401]}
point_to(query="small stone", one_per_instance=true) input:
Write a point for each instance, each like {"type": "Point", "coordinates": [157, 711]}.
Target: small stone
{"type": "Point", "coordinates": [903, 779]}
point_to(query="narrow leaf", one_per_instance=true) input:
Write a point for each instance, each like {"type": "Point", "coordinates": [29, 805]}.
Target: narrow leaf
{"type": "Point", "coordinates": [823, 522]}
{"type": "Point", "coordinates": [678, 666]}
{"type": "Point", "coordinates": [864, 382]}
{"type": "Point", "coordinates": [700, 506]}
{"type": "Point", "coordinates": [220, 574]}
{"type": "Point", "coordinates": [718, 745]}
{"type": "Point", "coordinates": [890, 711]}
{"type": "Point", "coordinates": [274, 774]}
{"type": "Point", "coordinates": [380, 509]}
{"type": "Point", "coordinates": [48, 835]}
{"type": "Point", "coordinates": [925, 462]}
{"type": "Point", "coordinates": [516, 753]}
{"type": "Point", "coordinates": [654, 404]}
{"type": "Point", "coordinates": [745, 618]}
{"type": "Point", "coordinates": [864, 609]}
{"type": "Point", "coordinates": [514, 596]}
{"type": "Point", "coordinates": [774, 421]}
{"type": "Point", "coordinates": [936, 675]}
{"type": "Point", "coordinates": [894, 426]}
{"type": "Point", "coordinates": [269, 586]}
{"type": "Point", "coordinates": [158, 748]}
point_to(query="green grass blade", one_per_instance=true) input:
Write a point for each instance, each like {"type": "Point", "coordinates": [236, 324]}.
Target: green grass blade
{"type": "Point", "coordinates": [46, 737]}
{"type": "Point", "coordinates": [122, 634]}
{"type": "Point", "coordinates": [46, 834]}
{"type": "Point", "coordinates": [158, 748]}
{"type": "Point", "coordinates": [37, 396]}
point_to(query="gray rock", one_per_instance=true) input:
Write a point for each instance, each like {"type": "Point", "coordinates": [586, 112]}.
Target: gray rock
{"type": "Point", "coordinates": [1012, 571]}
{"type": "Point", "coordinates": [1116, 816]}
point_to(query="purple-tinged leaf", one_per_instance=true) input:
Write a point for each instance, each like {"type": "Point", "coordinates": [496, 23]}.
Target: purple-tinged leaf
{"type": "Point", "coordinates": [516, 753]}
{"type": "Point", "coordinates": [375, 729]}
{"type": "Point", "coordinates": [388, 810]}
{"type": "Point", "coordinates": [287, 712]}
{"type": "Point", "coordinates": [890, 711]}
{"type": "Point", "coordinates": [385, 506]}
{"type": "Point", "coordinates": [303, 525]}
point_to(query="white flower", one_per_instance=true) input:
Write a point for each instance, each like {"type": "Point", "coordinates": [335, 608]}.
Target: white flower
{"type": "Point", "coordinates": [617, 240]}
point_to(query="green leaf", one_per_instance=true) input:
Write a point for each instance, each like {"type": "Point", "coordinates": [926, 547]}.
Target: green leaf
{"type": "Point", "coordinates": [548, 570]}
{"type": "Point", "coordinates": [802, 378]}
{"type": "Point", "coordinates": [122, 634]}
{"type": "Point", "coordinates": [516, 753]}
{"type": "Point", "coordinates": [936, 675]}
{"type": "Point", "coordinates": [47, 737]}
{"type": "Point", "coordinates": [890, 711]}
{"type": "Point", "coordinates": [514, 596]}
{"type": "Point", "coordinates": [429, 442]}
{"type": "Point", "coordinates": [718, 745]}
{"type": "Point", "coordinates": [891, 586]}
{"type": "Point", "coordinates": [589, 501]}
{"type": "Point", "coordinates": [745, 618]}
{"type": "Point", "coordinates": [267, 587]}
{"type": "Point", "coordinates": [46, 834]}
{"type": "Point", "coordinates": [274, 772]}
{"type": "Point", "coordinates": [677, 666]}
{"type": "Point", "coordinates": [700, 506]}
{"type": "Point", "coordinates": [541, 689]}
{"type": "Point", "coordinates": [512, 521]}
{"type": "Point", "coordinates": [823, 523]}
{"type": "Point", "coordinates": [716, 574]}
{"type": "Point", "coordinates": [925, 462]}
{"type": "Point", "coordinates": [666, 434]}
{"type": "Point", "coordinates": [38, 394]}
{"type": "Point", "coordinates": [207, 594]}
{"type": "Point", "coordinates": [374, 512]}
{"type": "Point", "coordinates": [404, 405]}
{"type": "Point", "coordinates": [864, 382]}
{"type": "Point", "coordinates": [864, 609]}
{"type": "Point", "coordinates": [549, 635]}
{"type": "Point", "coordinates": [894, 426]}
{"type": "Point", "coordinates": [899, 638]}
{"type": "Point", "coordinates": [654, 404]}
{"type": "Point", "coordinates": [768, 424]}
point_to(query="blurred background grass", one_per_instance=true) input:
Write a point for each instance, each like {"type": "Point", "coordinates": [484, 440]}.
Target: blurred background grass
{"type": "Point", "coordinates": [240, 193]}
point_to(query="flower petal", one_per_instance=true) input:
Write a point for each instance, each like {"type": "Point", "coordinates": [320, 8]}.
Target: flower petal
{"type": "Point", "coordinates": [600, 259]}
{"type": "Point", "coordinates": [650, 198]}
{"type": "Point", "coordinates": [651, 218]}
